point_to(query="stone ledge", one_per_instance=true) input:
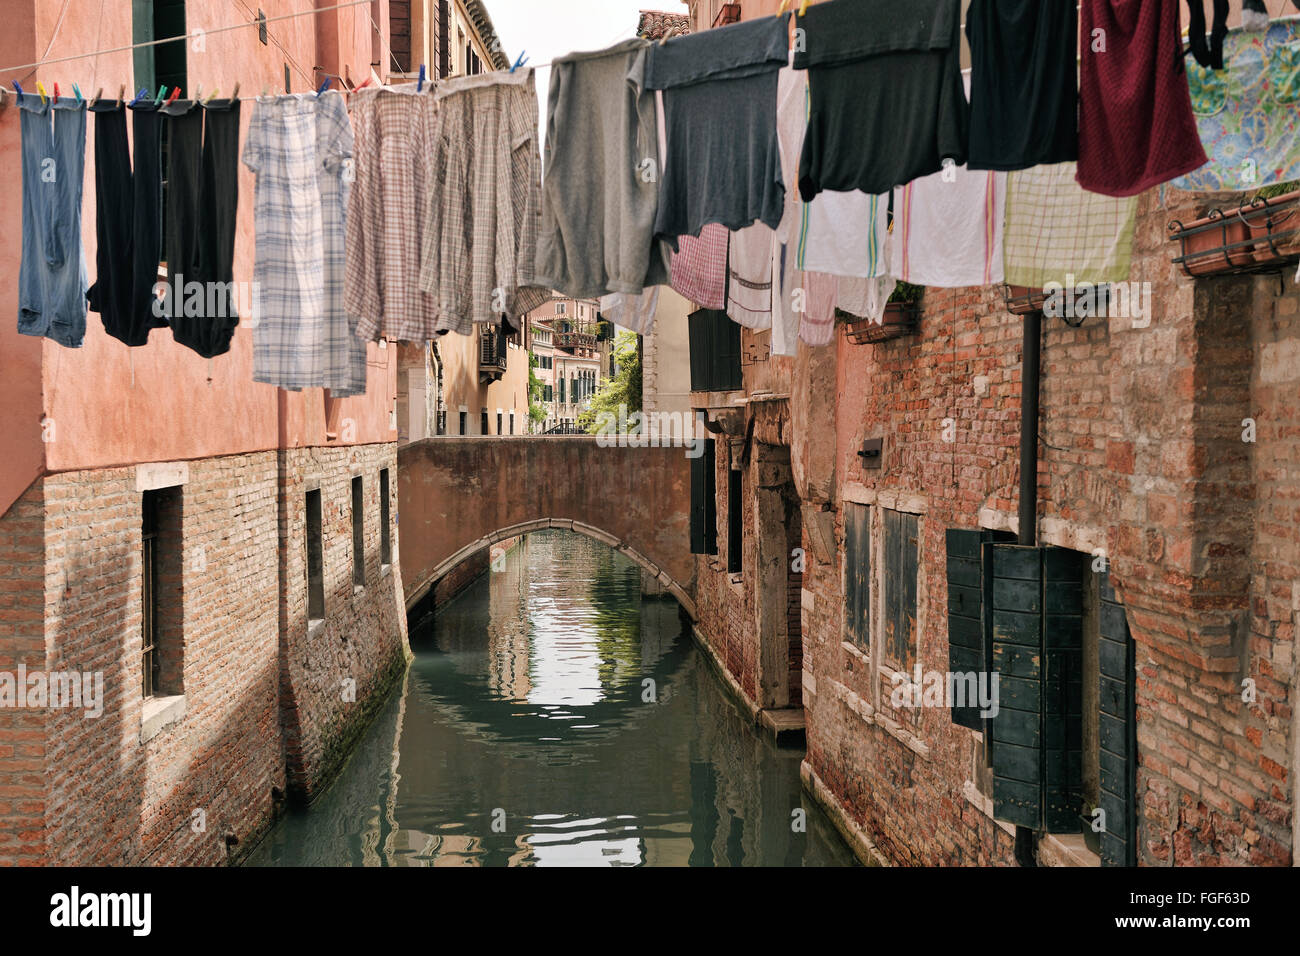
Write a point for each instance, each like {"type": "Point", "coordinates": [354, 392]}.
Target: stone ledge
{"type": "Point", "coordinates": [158, 714]}
{"type": "Point", "coordinates": [863, 847]}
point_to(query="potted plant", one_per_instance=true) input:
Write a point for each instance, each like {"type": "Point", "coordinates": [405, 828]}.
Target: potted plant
{"type": "Point", "coordinates": [1217, 242]}
{"type": "Point", "coordinates": [901, 317]}
{"type": "Point", "coordinates": [1273, 218]}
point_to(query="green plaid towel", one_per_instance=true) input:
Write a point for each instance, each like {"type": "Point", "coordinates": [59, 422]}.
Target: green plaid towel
{"type": "Point", "coordinates": [1055, 229]}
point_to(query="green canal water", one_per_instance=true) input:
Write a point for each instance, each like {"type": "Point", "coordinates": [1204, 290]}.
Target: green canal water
{"type": "Point", "coordinates": [554, 716]}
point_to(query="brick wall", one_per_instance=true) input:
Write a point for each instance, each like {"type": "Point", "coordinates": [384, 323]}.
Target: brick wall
{"type": "Point", "coordinates": [363, 637]}
{"type": "Point", "coordinates": [114, 789]}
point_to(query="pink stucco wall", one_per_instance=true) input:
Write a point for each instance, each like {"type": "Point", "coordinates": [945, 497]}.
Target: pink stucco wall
{"type": "Point", "coordinates": [111, 405]}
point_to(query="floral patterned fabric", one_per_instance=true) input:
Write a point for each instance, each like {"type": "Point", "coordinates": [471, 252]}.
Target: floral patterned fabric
{"type": "Point", "coordinates": [1248, 114]}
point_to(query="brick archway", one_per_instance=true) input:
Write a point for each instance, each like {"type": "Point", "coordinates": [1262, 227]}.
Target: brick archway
{"type": "Point", "coordinates": [457, 496]}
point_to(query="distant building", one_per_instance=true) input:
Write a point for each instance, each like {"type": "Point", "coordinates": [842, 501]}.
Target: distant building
{"type": "Point", "coordinates": [572, 327]}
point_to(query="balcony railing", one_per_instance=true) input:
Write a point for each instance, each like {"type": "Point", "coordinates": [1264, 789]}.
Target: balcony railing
{"type": "Point", "coordinates": [493, 355]}
{"type": "Point", "coordinates": [575, 340]}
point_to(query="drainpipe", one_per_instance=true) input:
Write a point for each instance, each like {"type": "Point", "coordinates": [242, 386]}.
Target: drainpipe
{"type": "Point", "coordinates": [1031, 362]}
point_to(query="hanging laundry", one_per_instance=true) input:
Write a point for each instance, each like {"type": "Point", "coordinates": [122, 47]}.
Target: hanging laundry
{"type": "Point", "coordinates": [1136, 128]}
{"type": "Point", "coordinates": [636, 313]}
{"type": "Point", "coordinates": [1056, 229]}
{"type": "Point", "coordinates": [388, 213]}
{"type": "Point", "coordinates": [602, 178]}
{"type": "Point", "coordinates": [1024, 95]}
{"type": "Point", "coordinates": [722, 162]}
{"type": "Point", "coordinates": [1248, 115]}
{"type": "Point", "coordinates": [840, 233]}
{"type": "Point", "coordinates": [817, 293]}
{"type": "Point", "coordinates": [128, 221]}
{"type": "Point", "coordinates": [1254, 16]}
{"type": "Point", "coordinates": [202, 202]}
{"type": "Point", "coordinates": [866, 298]}
{"type": "Point", "coordinates": [299, 146]}
{"type": "Point", "coordinates": [865, 60]}
{"type": "Point", "coordinates": [485, 201]}
{"type": "Point", "coordinates": [948, 229]}
{"type": "Point", "coordinates": [749, 277]}
{"type": "Point", "coordinates": [52, 276]}
{"type": "Point", "coordinates": [698, 269]}
{"type": "Point", "coordinates": [1208, 51]}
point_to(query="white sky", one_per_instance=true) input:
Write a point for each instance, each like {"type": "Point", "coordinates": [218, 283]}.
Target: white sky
{"type": "Point", "coordinates": [546, 29]}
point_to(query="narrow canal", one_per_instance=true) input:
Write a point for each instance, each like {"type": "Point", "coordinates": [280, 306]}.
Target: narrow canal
{"type": "Point", "coordinates": [554, 716]}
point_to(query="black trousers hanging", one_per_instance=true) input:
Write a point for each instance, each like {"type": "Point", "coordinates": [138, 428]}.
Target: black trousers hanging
{"type": "Point", "coordinates": [202, 204]}
{"type": "Point", "coordinates": [128, 208]}
{"type": "Point", "coordinates": [110, 296]}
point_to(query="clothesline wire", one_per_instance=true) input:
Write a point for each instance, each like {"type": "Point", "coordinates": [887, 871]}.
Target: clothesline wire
{"type": "Point", "coordinates": [183, 36]}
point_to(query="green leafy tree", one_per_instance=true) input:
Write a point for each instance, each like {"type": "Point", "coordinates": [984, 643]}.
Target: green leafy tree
{"type": "Point", "coordinates": [624, 389]}
{"type": "Point", "coordinates": [537, 412]}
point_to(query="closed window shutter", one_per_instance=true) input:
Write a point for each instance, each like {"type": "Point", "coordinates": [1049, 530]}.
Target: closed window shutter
{"type": "Point", "coordinates": [704, 532]}
{"type": "Point", "coordinates": [1016, 619]}
{"type": "Point", "coordinates": [1036, 618]}
{"type": "Point", "coordinates": [1117, 727]}
{"type": "Point", "coordinates": [1063, 689]}
{"type": "Point", "coordinates": [965, 618]}
{"type": "Point", "coordinates": [857, 573]}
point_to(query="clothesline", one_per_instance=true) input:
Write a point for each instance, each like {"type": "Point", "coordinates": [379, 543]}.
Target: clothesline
{"type": "Point", "coordinates": [183, 36]}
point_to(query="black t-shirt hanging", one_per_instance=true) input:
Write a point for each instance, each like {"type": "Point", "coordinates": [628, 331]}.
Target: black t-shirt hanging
{"type": "Point", "coordinates": [1024, 83]}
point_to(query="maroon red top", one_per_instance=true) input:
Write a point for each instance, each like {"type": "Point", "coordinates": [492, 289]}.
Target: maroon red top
{"type": "Point", "coordinates": [1136, 127]}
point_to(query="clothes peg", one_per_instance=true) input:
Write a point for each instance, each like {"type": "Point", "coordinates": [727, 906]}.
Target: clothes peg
{"type": "Point", "coordinates": [18, 87]}
{"type": "Point", "coordinates": [40, 88]}
{"type": "Point", "coordinates": [212, 96]}
{"type": "Point", "coordinates": [781, 9]}
{"type": "Point", "coordinates": [172, 99]}
{"type": "Point", "coordinates": [162, 92]}
{"type": "Point", "coordinates": [323, 87]}
{"type": "Point", "coordinates": [419, 84]}
{"type": "Point", "coordinates": [139, 96]}
{"type": "Point", "coordinates": [804, 9]}
{"type": "Point", "coordinates": [77, 90]}
{"type": "Point", "coordinates": [98, 93]}
{"type": "Point", "coordinates": [671, 31]}
{"type": "Point", "coordinates": [523, 58]}
{"type": "Point", "coordinates": [56, 93]}
{"type": "Point", "coordinates": [234, 95]}
{"type": "Point", "coordinates": [121, 95]}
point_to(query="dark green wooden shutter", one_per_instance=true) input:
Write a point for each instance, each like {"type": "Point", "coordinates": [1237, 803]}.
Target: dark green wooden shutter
{"type": "Point", "coordinates": [965, 627]}
{"type": "Point", "coordinates": [1015, 618]}
{"type": "Point", "coordinates": [1117, 727]}
{"type": "Point", "coordinates": [857, 572]}
{"type": "Point", "coordinates": [1063, 689]}
{"type": "Point", "coordinates": [1036, 621]}
{"type": "Point", "coordinates": [704, 532]}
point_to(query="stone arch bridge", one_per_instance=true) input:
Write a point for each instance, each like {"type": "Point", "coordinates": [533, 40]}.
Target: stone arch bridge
{"type": "Point", "coordinates": [459, 495]}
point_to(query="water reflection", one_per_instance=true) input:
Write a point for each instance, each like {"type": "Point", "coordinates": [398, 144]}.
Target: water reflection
{"type": "Point", "coordinates": [555, 717]}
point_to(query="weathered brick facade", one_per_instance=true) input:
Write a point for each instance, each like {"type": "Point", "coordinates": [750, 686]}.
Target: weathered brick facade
{"type": "Point", "coordinates": [1142, 461]}
{"type": "Point", "coordinates": [262, 709]}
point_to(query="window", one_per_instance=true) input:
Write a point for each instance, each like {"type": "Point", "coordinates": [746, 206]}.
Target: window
{"type": "Point", "coordinates": [561, 308]}
{"type": "Point", "coordinates": [358, 533]}
{"type": "Point", "coordinates": [704, 507]}
{"type": "Point", "coordinates": [161, 65]}
{"type": "Point", "coordinates": [715, 351]}
{"type": "Point", "coordinates": [483, 422]}
{"type": "Point", "coordinates": [735, 521]}
{"type": "Point", "coordinates": [444, 48]}
{"type": "Point", "coordinates": [1063, 740]}
{"type": "Point", "coordinates": [164, 64]}
{"type": "Point", "coordinates": [499, 422]}
{"type": "Point", "coordinates": [857, 574]}
{"type": "Point", "coordinates": [385, 532]}
{"type": "Point", "coordinates": [512, 421]}
{"type": "Point", "coordinates": [315, 560]}
{"type": "Point", "coordinates": [900, 566]}
{"type": "Point", "coordinates": [161, 597]}
{"type": "Point", "coordinates": [562, 401]}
